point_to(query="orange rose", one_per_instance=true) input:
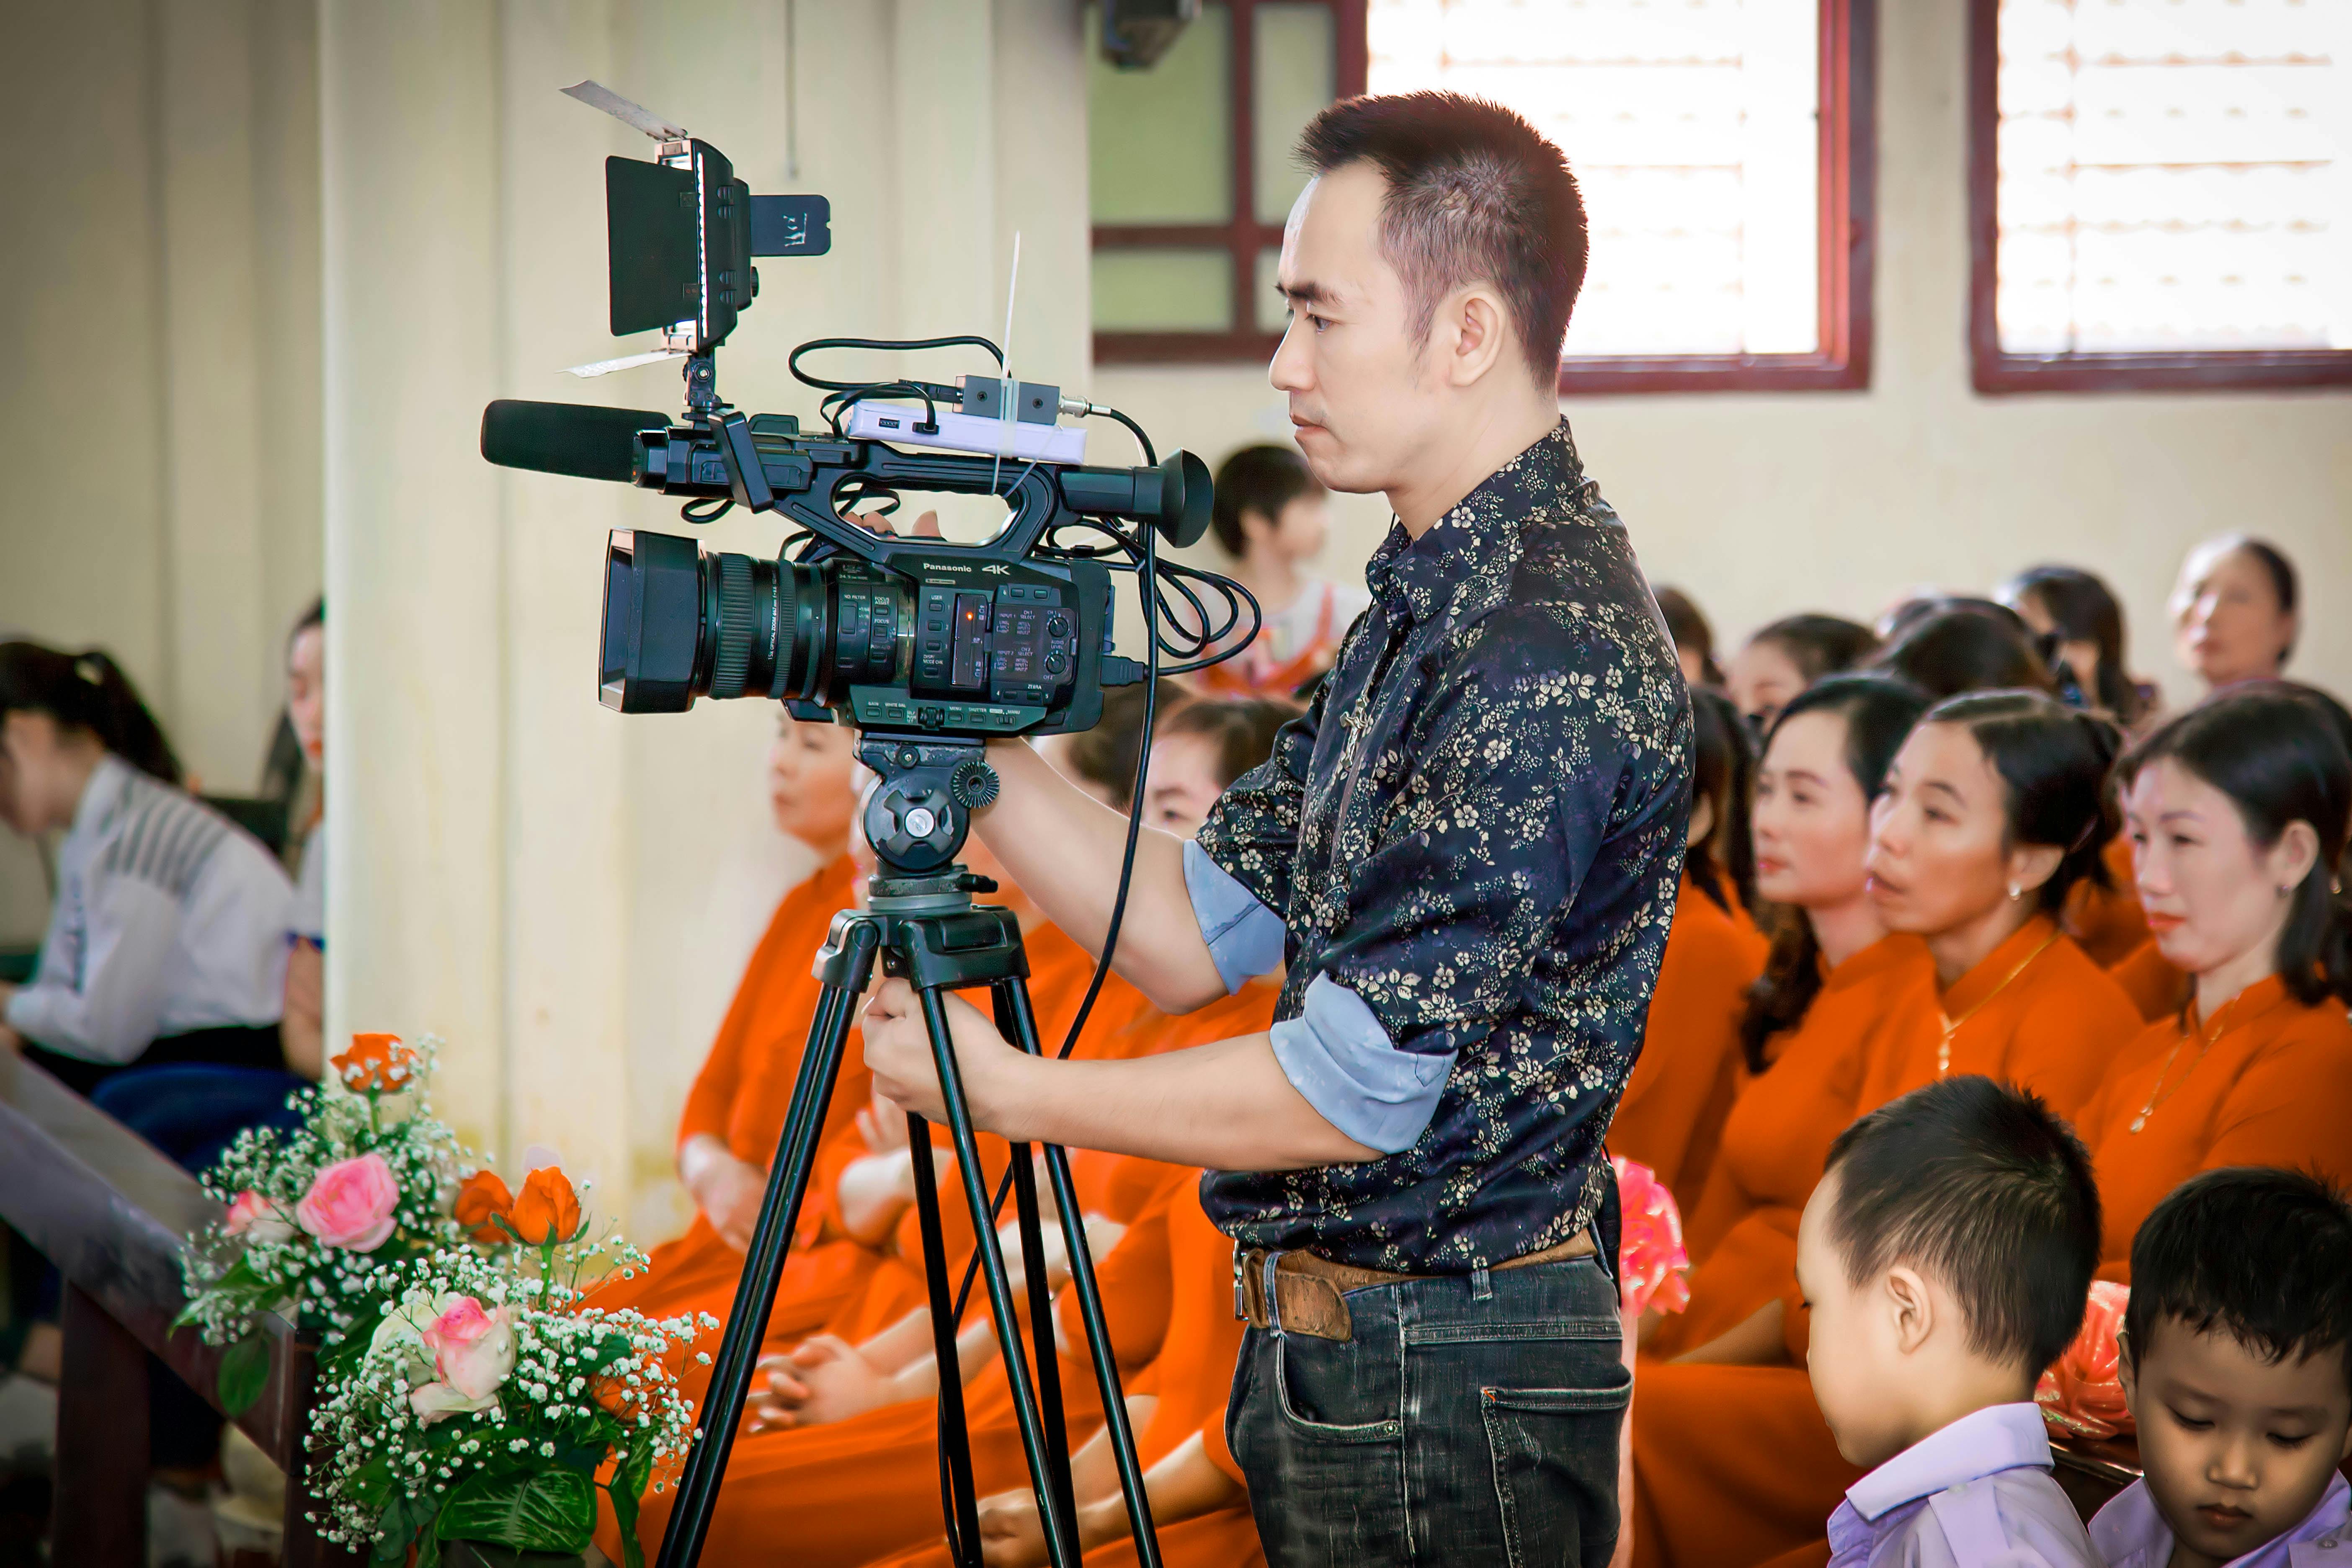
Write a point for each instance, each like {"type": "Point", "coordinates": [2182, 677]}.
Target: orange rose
{"type": "Point", "coordinates": [376, 1061]}
{"type": "Point", "coordinates": [481, 1203]}
{"type": "Point", "coordinates": [547, 1209]}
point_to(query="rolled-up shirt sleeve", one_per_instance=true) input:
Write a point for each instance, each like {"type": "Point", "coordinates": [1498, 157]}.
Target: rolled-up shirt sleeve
{"type": "Point", "coordinates": [1337, 1056]}
{"type": "Point", "coordinates": [1245, 937]}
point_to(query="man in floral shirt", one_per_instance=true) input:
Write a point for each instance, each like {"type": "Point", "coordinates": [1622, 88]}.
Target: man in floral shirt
{"type": "Point", "coordinates": [1466, 853]}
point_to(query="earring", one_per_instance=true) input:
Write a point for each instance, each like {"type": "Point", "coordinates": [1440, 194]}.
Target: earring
{"type": "Point", "coordinates": [2013, 893]}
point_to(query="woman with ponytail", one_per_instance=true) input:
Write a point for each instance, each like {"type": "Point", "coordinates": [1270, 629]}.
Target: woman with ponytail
{"type": "Point", "coordinates": [2237, 812]}
{"type": "Point", "coordinates": [1671, 1115]}
{"type": "Point", "coordinates": [167, 943]}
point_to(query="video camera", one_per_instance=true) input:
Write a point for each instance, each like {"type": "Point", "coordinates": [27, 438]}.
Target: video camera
{"type": "Point", "coordinates": [928, 645]}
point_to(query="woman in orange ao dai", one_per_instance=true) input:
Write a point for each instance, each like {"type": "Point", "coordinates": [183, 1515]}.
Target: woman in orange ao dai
{"type": "Point", "coordinates": [1833, 971]}
{"type": "Point", "coordinates": [2238, 812]}
{"type": "Point", "coordinates": [1671, 1115]}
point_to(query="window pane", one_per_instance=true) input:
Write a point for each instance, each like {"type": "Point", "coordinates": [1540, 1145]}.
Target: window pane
{"type": "Point", "coordinates": [1693, 131]}
{"type": "Point", "coordinates": [1273, 309]}
{"type": "Point", "coordinates": [1294, 69]}
{"type": "Point", "coordinates": [1140, 290]}
{"type": "Point", "coordinates": [2172, 175]}
{"type": "Point", "coordinates": [1159, 141]}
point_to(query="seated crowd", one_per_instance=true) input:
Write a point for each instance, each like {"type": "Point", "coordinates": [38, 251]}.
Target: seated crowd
{"type": "Point", "coordinates": [1988, 978]}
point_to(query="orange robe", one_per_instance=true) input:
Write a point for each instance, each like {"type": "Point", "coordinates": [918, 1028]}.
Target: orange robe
{"type": "Point", "coordinates": [2107, 922]}
{"type": "Point", "coordinates": [2155, 987]}
{"type": "Point", "coordinates": [741, 1095]}
{"type": "Point", "coordinates": [2050, 1025]}
{"type": "Point", "coordinates": [2272, 1088]}
{"type": "Point", "coordinates": [866, 1488]}
{"type": "Point", "coordinates": [1733, 1465]}
{"type": "Point", "coordinates": [1192, 1377]}
{"type": "Point", "coordinates": [1671, 1115]}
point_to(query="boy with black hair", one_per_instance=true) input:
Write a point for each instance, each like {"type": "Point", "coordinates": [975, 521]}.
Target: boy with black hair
{"type": "Point", "coordinates": [1946, 1256]}
{"type": "Point", "coordinates": [2237, 1364]}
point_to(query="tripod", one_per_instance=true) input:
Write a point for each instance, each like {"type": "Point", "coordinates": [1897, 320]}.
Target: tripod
{"type": "Point", "coordinates": [923, 925]}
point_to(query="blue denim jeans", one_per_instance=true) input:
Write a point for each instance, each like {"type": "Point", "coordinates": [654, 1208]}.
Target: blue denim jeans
{"type": "Point", "coordinates": [1468, 1419]}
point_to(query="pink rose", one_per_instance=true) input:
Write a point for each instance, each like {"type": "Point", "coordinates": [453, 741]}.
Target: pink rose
{"type": "Point", "coordinates": [256, 1219]}
{"type": "Point", "coordinates": [473, 1351]}
{"type": "Point", "coordinates": [437, 1402]}
{"type": "Point", "coordinates": [351, 1203]}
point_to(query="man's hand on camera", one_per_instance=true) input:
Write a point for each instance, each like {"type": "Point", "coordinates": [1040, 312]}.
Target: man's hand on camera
{"type": "Point", "coordinates": [898, 1050]}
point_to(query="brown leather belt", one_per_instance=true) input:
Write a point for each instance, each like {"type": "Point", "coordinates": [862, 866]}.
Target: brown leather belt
{"type": "Point", "coordinates": [1311, 1293]}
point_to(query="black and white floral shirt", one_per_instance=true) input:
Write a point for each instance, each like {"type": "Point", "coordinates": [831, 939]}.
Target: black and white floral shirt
{"type": "Point", "coordinates": [1473, 840]}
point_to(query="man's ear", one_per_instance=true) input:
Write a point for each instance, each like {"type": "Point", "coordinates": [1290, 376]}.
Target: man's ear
{"type": "Point", "coordinates": [2127, 1372]}
{"type": "Point", "coordinates": [1475, 337]}
{"type": "Point", "coordinates": [1904, 1296]}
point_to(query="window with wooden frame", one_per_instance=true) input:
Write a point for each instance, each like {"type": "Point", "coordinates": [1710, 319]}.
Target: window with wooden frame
{"type": "Point", "coordinates": [1725, 149]}
{"type": "Point", "coordinates": [2159, 195]}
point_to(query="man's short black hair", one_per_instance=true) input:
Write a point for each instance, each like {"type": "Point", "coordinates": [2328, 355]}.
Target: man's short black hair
{"type": "Point", "coordinates": [1475, 195]}
{"type": "Point", "coordinates": [2265, 1255]}
{"type": "Point", "coordinates": [1986, 1188]}
{"type": "Point", "coordinates": [1263, 480]}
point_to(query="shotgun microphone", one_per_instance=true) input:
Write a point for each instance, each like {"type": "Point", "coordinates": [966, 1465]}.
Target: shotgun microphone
{"type": "Point", "coordinates": [584, 441]}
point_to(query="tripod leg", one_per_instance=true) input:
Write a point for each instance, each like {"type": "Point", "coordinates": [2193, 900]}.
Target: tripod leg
{"type": "Point", "coordinates": [1023, 1034]}
{"type": "Point", "coordinates": [1040, 1312]}
{"type": "Point", "coordinates": [962, 1502]}
{"type": "Point", "coordinates": [764, 1265]}
{"type": "Point", "coordinates": [1061, 1547]}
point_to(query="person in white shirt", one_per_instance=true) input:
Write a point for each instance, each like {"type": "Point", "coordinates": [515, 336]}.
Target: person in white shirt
{"type": "Point", "coordinates": [1946, 1257]}
{"type": "Point", "coordinates": [167, 941]}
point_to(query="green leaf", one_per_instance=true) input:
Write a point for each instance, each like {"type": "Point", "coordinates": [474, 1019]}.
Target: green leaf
{"type": "Point", "coordinates": [550, 1511]}
{"type": "Point", "coordinates": [628, 1491]}
{"type": "Point", "coordinates": [243, 1373]}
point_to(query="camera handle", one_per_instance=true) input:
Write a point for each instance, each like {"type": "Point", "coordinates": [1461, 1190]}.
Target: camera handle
{"type": "Point", "coordinates": [925, 929]}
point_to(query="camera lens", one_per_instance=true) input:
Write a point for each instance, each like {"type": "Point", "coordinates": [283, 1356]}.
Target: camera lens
{"type": "Point", "coordinates": [682, 622]}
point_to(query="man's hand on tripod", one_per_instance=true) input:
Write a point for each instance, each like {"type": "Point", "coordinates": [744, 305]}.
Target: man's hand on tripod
{"type": "Point", "coordinates": [898, 1050]}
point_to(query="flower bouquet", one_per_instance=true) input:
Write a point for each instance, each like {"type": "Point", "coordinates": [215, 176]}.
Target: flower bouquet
{"type": "Point", "coordinates": [464, 1393]}
{"type": "Point", "coordinates": [489, 1404]}
{"type": "Point", "coordinates": [366, 1179]}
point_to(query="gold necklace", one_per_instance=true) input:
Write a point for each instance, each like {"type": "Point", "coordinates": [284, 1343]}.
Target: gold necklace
{"type": "Point", "coordinates": [1952, 1026]}
{"type": "Point", "coordinates": [2206, 1042]}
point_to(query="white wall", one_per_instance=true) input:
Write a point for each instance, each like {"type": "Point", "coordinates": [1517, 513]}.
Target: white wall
{"type": "Point", "coordinates": [565, 894]}
{"type": "Point", "coordinates": [159, 305]}
{"type": "Point", "coordinates": [1759, 506]}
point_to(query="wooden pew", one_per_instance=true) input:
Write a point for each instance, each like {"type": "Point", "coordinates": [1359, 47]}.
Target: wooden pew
{"type": "Point", "coordinates": [111, 1213]}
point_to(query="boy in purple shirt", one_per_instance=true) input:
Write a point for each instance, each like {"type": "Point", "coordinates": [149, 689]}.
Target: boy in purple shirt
{"type": "Point", "coordinates": [1946, 1256]}
{"type": "Point", "coordinates": [2235, 1347]}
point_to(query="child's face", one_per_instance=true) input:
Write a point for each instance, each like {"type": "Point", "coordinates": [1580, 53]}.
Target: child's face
{"type": "Point", "coordinates": [2237, 1450]}
{"type": "Point", "coordinates": [1298, 534]}
{"type": "Point", "coordinates": [1855, 1357]}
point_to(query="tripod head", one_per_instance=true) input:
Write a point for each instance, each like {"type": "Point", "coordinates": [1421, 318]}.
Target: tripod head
{"type": "Point", "coordinates": [917, 815]}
